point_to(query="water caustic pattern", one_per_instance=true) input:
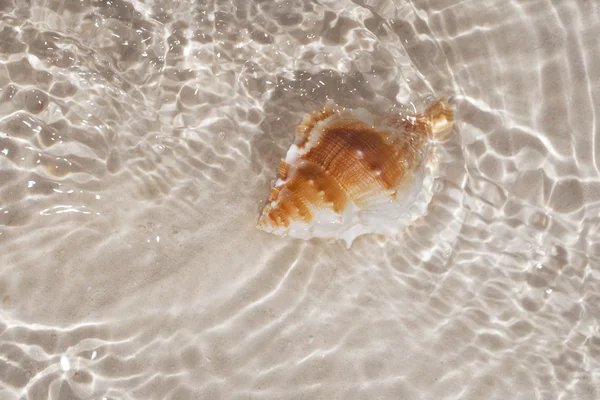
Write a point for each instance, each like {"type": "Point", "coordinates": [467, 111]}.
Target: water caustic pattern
{"type": "Point", "coordinates": [138, 141]}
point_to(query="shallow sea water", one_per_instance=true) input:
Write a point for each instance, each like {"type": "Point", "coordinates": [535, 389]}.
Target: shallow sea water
{"type": "Point", "coordinates": [138, 141]}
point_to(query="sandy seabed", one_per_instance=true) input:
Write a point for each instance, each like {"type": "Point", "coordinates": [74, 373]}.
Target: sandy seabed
{"type": "Point", "coordinates": [138, 142]}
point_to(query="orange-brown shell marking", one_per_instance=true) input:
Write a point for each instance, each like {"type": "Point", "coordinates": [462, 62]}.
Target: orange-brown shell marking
{"type": "Point", "coordinates": [308, 187]}
{"type": "Point", "coordinates": [283, 170]}
{"type": "Point", "coordinates": [360, 159]}
{"type": "Point", "coordinates": [348, 161]}
{"type": "Point", "coordinates": [308, 123]}
{"type": "Point", "coordinates": [352, 160]}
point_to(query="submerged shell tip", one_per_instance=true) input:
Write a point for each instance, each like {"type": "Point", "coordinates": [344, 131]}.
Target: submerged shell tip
{"type": "Point", "coordinates": [441, 118]}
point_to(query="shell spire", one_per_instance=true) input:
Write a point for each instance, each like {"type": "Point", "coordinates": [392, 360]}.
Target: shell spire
{"type": "Point", "coordinates": [350, 172]}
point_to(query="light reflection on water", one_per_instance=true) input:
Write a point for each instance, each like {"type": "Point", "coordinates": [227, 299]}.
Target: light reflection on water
{"type": "Point", "coordinates": [137, 145]}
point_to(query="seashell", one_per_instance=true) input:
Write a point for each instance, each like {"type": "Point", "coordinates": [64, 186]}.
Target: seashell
{"type": "Point", "coordinates": [351, 172]}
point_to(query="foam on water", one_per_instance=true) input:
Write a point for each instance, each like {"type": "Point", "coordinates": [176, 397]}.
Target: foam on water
{"type": "Point", "coordinates": [137, 145]}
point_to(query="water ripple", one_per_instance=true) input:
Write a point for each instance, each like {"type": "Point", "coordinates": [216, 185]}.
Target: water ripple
{"type": "Point", "coordinates": [138, 141]}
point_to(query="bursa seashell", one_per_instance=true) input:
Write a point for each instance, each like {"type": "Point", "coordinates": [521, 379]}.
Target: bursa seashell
{"type": "Point", "coordinates": [351, 172]}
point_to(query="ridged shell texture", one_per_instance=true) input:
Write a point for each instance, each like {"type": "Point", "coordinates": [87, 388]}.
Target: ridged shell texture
{"type": "Point", "coordinates": [345, 163]}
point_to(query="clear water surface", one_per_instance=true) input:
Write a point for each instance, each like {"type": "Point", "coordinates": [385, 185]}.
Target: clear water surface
{"type": "Point", "coordinates": [138, 141]}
